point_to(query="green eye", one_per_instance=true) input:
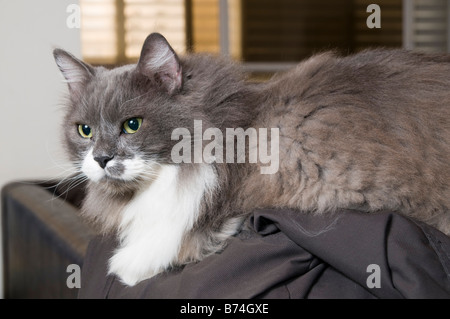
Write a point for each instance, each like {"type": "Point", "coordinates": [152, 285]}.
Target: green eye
{"type": "Point", "coordinates": [84, 130]}
{"type": "Point", "coordinates": [132, 125]}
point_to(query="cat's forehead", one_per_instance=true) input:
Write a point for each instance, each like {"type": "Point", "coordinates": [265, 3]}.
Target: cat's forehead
{"type": "Point", "coordinates": [114, 94]}
{"type": "Point", "coordinates": [117, 79]}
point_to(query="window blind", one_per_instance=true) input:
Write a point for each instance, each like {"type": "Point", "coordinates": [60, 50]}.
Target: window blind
{"type": "Point", "coordinates": [112, 31]}
{"type": "Point", "coordinates": [260, 31]}
{"type": "Point", "coordinates": [426, 25]}
{"type": "Point", "coordinates": [145, 16]}
{"type": "Point", "coordinates": [205, 26]}
{"type": "Point", "coordinates": [290, 30]}
{"type": "Point", "coordinates": [390, 33]}
{"type": "Point", "coordinates": [98, 31]}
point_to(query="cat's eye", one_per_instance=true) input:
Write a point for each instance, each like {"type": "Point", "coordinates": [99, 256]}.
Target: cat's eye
{"type": "Point", "coordinates": [132, 125]}
{"type": "Point", "coordinates": [84, 130]}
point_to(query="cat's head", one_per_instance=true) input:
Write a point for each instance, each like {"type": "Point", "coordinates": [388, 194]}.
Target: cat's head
{"type": "Point", "coordinates": [118, 122]}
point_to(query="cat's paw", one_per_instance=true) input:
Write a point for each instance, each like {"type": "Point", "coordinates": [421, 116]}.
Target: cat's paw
{"type": "Point", "coordinates": [130, 268]}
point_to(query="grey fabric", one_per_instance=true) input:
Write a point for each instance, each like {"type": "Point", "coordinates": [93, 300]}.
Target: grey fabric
{"type": "Point", "coordinates": [287, 254]}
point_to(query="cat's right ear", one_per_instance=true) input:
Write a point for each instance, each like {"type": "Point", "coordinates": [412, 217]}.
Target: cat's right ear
{"type": "Point", "coordinates": [76, 72]}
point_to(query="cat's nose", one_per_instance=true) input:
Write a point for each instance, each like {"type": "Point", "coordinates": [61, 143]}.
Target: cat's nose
{"type": "Point", "coordinates": [103, 160]}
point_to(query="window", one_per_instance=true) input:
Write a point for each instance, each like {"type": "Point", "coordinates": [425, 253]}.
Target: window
{"type": "Point", "coordinates": [112, 31]}
{"type": "Point", "coordinates": [289, 30]}
{"type": "Point", "coordinates": [266, 35]}
{"type": "Point", "coordinates": [427, 25]}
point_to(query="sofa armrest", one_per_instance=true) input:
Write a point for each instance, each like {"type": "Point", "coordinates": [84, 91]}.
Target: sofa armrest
{"type": "Point", "coordinates": [42, 234]}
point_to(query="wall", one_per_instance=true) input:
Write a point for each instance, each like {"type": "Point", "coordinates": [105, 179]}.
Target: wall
{"type": "Point", "coordinates": [31, 88]}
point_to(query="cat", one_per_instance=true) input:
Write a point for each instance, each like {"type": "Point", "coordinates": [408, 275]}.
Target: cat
{"type": "Point", "coordinates": [368, 131]}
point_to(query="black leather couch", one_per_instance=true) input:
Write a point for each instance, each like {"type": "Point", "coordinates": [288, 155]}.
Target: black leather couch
{"type": "Point", "coordinates": [42, 235]}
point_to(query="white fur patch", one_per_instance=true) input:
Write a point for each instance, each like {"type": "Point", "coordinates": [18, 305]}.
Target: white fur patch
{"type": "Point", "coordinates": [91, 169]}
{"type": "Point", "coordinates": [133, 168]}
{"type": "Point", "coordinates": [155, 221]}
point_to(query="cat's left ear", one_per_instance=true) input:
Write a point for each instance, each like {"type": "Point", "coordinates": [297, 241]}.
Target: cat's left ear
{"type": "Point", "coordinates": [159, 61]}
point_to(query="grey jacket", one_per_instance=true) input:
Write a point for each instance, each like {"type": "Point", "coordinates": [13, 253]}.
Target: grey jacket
{"type": "Point", "coordinates": [286, 254]}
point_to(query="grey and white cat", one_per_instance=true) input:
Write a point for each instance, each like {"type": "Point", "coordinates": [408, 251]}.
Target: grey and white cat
{"type": "Point", "coordinates": [369, 131]}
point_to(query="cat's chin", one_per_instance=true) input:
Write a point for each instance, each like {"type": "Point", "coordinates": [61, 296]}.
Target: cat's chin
{"type": "Point", "coordinates": [117, 187]}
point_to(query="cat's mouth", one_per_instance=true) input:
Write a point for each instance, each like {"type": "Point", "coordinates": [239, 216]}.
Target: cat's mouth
{"type": "Point", "coordinates": [117, 170]}
{"type": "Point", "coordinates": [114, 173]}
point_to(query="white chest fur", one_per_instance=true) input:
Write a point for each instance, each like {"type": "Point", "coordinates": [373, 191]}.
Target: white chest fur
{"type": "Point", "coordinates": [155, 221]}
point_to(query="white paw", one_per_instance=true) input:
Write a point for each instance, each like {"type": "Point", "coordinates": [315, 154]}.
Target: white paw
{"type": "Point", "coordinates": [131, 268]}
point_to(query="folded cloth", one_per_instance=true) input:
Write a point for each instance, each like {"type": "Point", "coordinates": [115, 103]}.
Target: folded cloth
{"type": "Point", "coordinates": [290, 254]}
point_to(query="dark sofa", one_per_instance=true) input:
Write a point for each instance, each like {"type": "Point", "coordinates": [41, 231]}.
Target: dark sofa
{"type": "Point", "coordinates": [42, 235]}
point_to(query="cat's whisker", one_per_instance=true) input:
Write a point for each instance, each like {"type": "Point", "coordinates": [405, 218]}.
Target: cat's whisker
{"type": "Point", "coordinates": [58, 178]}
{"type": "Point", "coordinates": [70, 171]}
{"type": "Point", "coordinates": [148, 174]}
{"type": "Point", "coordinates": [75, 181]}
{"type": "Point", "coordinates": [71, 183]}
{"type": "Point", "coordinates": [70, 174]}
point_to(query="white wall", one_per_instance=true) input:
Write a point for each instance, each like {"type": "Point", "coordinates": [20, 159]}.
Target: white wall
{"type": "Point", "coordinates": [31, 88]}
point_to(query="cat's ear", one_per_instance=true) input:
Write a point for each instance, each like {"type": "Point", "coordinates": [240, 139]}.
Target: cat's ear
{"type": "Point", "coordinates": [159, 61]}
{"type": "Point", "coordinates": [76, 72]}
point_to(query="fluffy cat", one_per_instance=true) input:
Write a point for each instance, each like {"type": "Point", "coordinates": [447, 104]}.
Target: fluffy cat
{"type": "Point", "coordinates": [369, 131]}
